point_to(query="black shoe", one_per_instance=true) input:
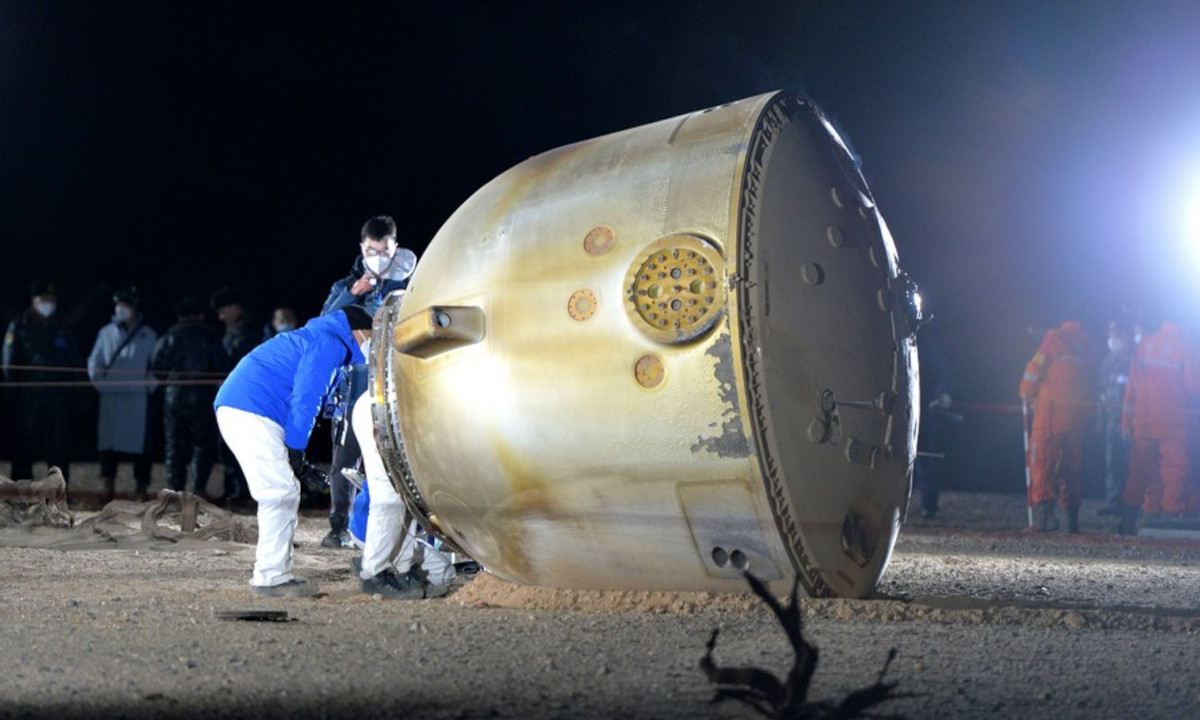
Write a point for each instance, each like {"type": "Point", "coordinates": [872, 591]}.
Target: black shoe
{"type": "Point", "coordinates": [339, 536]}
{"type": "Point", "coordinates": [432, 590]}
{"type": "Point", "coordinates": [294, 588]}
{"type": "Point", "coordinates": [435, 591]}
{"type": "Point", "coordinates": [337, 539]}
{"type": "Point", "coordinates": [466, 567]}
{"type": "Point", "coordinates": [392, 586]}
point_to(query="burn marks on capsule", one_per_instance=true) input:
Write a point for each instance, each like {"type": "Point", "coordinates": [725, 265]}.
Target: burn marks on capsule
{"type": "Point", "coordinates": [732, 441]}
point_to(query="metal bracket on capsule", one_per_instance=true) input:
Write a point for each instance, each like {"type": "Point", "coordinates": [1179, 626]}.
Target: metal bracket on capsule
{"type": "Point", "coordinates": [913, 317]}
{"type": "Point", "coordinates": [439, 329]}
{"type": "Point", "coordinates": [882, 402]}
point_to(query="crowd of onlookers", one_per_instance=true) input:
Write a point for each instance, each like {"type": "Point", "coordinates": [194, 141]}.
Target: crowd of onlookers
{"type": "Point", "coordinates": [249, 398]}
{"type": "Point", "coordinates": [145, 383]}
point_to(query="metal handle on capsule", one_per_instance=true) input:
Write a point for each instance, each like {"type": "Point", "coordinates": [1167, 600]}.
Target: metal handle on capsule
{"type": "Point", "coordinates": [439, 329]}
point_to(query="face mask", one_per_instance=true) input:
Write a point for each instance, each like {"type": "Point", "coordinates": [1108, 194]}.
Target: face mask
{"type": "Point", "coordinates": [123, 314]}
{"type": "Point", "coordinates": [377, 264]}
{"type": "Point", "coordinates": [366, 348]}
{"type": "Point", "coordinates": [1116, 345]}
{"type": "Point", "coordinates": [45, 308]}
{"type": "Point", "coordinates": [1137, 338]}
{"type": "Point", "coordinates": [284, 327]}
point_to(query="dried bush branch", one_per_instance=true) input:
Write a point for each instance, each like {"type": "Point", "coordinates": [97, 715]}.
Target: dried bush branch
{"type": "Point", "coordinates": [787, 700]}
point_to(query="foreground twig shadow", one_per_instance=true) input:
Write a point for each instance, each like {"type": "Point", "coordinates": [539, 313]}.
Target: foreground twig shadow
{"type": "Point", "coordinates": [787, 700]}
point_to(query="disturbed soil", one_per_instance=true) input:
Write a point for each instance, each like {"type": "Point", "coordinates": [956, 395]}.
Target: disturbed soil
{"type": "Point", "coordinates": [987, 620]}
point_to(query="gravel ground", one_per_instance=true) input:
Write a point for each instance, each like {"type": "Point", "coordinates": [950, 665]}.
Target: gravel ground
{"type": "Point", "coordinates": [987, 620]}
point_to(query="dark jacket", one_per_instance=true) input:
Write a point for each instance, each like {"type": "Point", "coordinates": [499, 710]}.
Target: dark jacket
{"type": "Point", "coordinates": [190, 351]}
{"type": "Point", "coordinates": [340, 297]}
{"type": "Point", "coordinates": [352, 381]}
{"type": "Point", "coordinates": [1114, 374]}
{"type": "Point", "coordinates": [241, 339]}
{"type": "Point", "coordinates": [33, 341]}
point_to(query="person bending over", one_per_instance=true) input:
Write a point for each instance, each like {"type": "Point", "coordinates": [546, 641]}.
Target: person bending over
{"type": "Point", "coordinates": [266, 409]}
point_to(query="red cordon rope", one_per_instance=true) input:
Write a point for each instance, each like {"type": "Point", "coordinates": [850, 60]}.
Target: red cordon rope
{"type": "Point", "coordinates": [986, 408]}
{"type": "Point", "coordinates": [1001, 409]}
{"type": "Point", "coordinates": [194, 378]}
{"type": "Point", "coordinates": [113, 371]}
{"type": "Point", "coordinates": [105, 383]}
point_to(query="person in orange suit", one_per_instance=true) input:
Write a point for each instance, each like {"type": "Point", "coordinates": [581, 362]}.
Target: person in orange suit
{"type": "Point", "coordinates": [1156, 417]}
{"type": "Point", "coordinates": [1058, 382]}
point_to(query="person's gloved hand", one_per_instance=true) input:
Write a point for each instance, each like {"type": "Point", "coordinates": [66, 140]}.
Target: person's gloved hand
{"type": "Point", "coordinates": [310, 475]}
{"type": "Point", "coordinates": [296, 460]}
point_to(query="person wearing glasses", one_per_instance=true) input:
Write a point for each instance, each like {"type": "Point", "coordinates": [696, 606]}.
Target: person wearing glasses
{"type": "Point", "coordinates": [380, 268]}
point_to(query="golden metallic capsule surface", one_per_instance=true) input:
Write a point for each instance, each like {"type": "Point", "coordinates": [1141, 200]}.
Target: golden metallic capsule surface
{"type": "Point", "coordinates": [703, 407]}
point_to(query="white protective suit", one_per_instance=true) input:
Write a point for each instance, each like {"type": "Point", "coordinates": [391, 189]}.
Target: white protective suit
{"type": "Point", "coordinates": [389, 538]}
{"type": "Point", "coordinates": [257, 443]}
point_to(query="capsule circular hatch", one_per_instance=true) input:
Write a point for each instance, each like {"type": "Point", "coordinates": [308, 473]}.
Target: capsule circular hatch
{"type": "Point", "coordinates": [659, 359]}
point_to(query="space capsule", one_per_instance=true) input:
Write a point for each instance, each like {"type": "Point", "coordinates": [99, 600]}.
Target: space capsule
{"type": "Point", "coordinates": [659, 358]}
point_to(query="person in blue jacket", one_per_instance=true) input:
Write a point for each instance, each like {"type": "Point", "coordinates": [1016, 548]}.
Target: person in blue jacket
{"type": "Point", "coordinates": [266, 409]}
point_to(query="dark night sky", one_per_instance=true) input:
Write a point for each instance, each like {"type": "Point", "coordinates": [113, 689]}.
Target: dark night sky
{"type": "Point", "coordinates": [1033, 157]}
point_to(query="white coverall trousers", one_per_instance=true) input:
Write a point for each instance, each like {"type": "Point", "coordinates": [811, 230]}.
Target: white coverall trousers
{"type": "Point", "coordinates": [389, 539]}
{"type": "Point", "coordinates": [257, 443]}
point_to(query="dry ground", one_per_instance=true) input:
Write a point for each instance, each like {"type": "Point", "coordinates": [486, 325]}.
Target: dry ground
{"type": "Point", "coordinates": [988, 620]}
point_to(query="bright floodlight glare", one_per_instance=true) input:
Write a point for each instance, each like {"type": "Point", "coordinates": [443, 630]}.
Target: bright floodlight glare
{"type": "Point", "coordinates": [1190, 235]}
{"type": "Point", "coordinates": [1186, 234]}
{"type": "Point", "coordinates": [1170, 223]}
